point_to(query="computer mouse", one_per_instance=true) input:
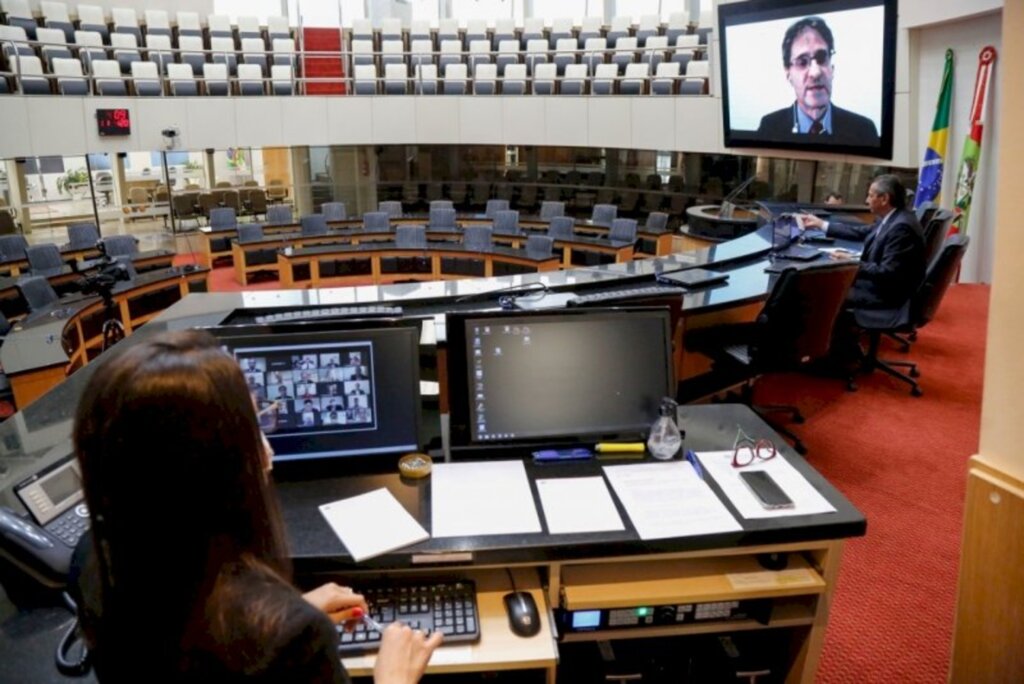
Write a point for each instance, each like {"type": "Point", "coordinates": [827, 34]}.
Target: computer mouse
{"type": "Point", "coordinates": [523, 618]}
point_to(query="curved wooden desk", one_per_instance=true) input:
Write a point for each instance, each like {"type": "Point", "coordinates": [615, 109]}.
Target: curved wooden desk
{"type": "Point", "coordinates": [49, 345]}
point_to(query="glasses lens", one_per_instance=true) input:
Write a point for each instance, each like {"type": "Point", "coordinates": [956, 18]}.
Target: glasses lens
{"type": "Point", "coordinates": [764, 450]}
{"type": "Point", "coordinates": [743, 456]}
{"type": "Point", "coordinates": [822, 57]}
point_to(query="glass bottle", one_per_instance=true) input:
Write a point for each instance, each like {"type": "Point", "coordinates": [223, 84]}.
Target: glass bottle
{"type": "Point", "coordinates": [665, 439]}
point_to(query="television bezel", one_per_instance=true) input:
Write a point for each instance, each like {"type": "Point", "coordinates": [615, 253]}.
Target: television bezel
{"type": "Point", "coordinates": [779, 9]}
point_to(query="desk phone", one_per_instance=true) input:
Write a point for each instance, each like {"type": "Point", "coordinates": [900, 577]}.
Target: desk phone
{"type": "Point", "coordinates": [59, 517]}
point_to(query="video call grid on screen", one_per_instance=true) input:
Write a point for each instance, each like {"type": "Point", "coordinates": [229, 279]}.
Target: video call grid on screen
{"type": "Point", "coordinates": [754, 80]}
{"type": "Point", "coordinates": [304, 389]}
{"type": "Point", "coordinates": [566, 376]}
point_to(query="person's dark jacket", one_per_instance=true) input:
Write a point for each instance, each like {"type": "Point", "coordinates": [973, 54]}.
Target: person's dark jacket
{"type": "Point", "coordinates": [848, 128]}
{"type": "Point", "coordinates": [892, 262]}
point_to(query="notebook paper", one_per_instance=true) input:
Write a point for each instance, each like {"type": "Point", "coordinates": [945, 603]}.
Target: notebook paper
{"type": "Point", "coordinates": [372, 524]}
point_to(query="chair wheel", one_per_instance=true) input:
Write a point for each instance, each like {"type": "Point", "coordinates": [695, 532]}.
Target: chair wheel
{"type": "Point", "coordinates": [914, 373]}
{"type": "Point", "coordinates": [916, 392]}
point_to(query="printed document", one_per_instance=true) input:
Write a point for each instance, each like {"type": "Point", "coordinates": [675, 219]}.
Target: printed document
{"type": "Point", "coordinates": [471, 499]}
{"type": "Point", "coordinates": [669, 500]}
{"type": "Point", "coordinates": [372, 524]}
{"type": "Point", "coordinates": [806, 499]}
{"type": "Point", "coordinates": [578, 504]}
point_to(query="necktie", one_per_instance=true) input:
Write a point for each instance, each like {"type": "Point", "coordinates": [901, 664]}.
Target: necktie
{"type": "Point", "coordinates": [816, 128]}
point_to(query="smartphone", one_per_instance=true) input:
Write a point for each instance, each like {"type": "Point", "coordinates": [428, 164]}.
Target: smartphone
{"type": "Point", "coordinates": [767, 491]}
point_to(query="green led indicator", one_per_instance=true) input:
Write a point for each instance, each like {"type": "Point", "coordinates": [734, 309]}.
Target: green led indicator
{"type": "Point", "coordinates": [643, 612]}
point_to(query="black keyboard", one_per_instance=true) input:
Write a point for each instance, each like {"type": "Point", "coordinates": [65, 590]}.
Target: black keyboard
{"type": "Point", "coordinates": [609, 296]}
{"type": "Point", "coordinates": [326, 312]}
{"type": "Point", "coordinates": [446, 607]}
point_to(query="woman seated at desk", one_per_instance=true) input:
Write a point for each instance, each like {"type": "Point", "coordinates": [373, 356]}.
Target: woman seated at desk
{"type": "Point", "coordinates": [187, 576]}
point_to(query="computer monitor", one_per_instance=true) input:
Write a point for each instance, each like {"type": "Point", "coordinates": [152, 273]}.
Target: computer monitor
{"type": "Point", "coordinates": [347, 389]}
{"type": "Point", "coordinates": [572, 376]}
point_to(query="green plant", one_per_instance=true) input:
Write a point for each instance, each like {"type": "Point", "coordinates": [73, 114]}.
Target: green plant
{"type": "Point", "coordinates": [192, 165]}
{"type": "Point", "coordinates": [74, 177]}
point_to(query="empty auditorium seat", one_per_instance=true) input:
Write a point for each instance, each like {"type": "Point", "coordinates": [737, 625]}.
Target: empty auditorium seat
{"type": "Point", "coordinates": [92, 18]}
{"type": "Point", "coordinates": [281, 80]}
{"type": "Point", "coordinates": [215, 77]}
{"type": "Point", "coordinates": [514, 81]}
{"type": "Point", "coordinates": [250, 80]}
{"type": "Point", "coordinates": [191, 52]}
{"type": "Point", "coordinates": [575, 80]}
{"type": "Point", "coordinates": [107, 76]}
{"type": "Point", "coordinates": [126, 21]}
{"type": "Point", "coordinates": [485, 79]}
{"type": "Point", "coordinates": [146, 79]}
{"type": "Point", "coordinates": [126, 50]}
{"type": "Point", "coordinates": [181, 79]}
{"type": "Point", "coordinates": [69, 77]}
{"type": "Point", "coordinates": [455, 79]}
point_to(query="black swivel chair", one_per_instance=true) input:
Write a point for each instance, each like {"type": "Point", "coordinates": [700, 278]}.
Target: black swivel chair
{"type": "Point", "coordinates": [915, 312]}
{"type": "Point", "coordinates": [793, 329]}
{"type": "Point", "coordinates": [37, 292]}
{"type": "Point", "coordinates": [44, 259]}
{"type": "Point", "coordinates": [935, 232]}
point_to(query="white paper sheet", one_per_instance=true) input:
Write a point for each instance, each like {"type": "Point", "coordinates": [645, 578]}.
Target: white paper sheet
{"type": "Point", "coordinates": [471, 499]}
{"type": "Point", "coordinates": [373, 523]}
{"type": "Point", "coordinates": [578, 504]}
{"type": "Point", "coordinates": [669, 500]}
{"type": "Point", "coordinates": [806, 499]}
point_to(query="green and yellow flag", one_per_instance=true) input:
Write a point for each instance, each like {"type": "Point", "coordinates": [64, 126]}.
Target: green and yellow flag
{"type": "Point", "coordinates": [929, 182]}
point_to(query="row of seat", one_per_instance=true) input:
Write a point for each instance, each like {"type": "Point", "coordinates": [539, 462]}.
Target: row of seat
{"type": "Point", "coordinates": [125, 20]}
{"type": "Point", "coordinates": [576, 80]}
{"type": "Point", "coordinates": [87, 46]}
{"type": "Point", "coordinates": [46, 259]}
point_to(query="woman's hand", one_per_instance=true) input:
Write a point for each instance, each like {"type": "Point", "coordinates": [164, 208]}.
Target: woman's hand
{"type": "Point", "coordinates": [340, 603]}
{"type": "Point", "coordinates": [403, 654]}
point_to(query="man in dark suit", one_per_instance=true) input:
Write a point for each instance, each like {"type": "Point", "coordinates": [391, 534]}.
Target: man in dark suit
{"type": "Point", "coordinates": [892, 261]}
{"type": "Point", "coordinates": [807, 50]}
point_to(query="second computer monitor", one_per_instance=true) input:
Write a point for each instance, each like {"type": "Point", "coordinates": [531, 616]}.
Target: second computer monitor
{"type": "Point", "coordinates": [575, 375]}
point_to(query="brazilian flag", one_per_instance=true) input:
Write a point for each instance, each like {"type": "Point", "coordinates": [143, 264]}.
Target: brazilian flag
{"type": "Point", "coordinates": [929, 183]}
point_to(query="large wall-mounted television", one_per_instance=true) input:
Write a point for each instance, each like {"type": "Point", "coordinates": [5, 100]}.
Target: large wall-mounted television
{"type": "Point", "coordinates": [813, 76]}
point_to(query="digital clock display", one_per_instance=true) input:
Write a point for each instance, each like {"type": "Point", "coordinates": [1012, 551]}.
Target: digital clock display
{"type": "Point", "coordinates": [113, 122]}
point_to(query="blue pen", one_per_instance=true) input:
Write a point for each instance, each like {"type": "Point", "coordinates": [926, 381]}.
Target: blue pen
{"type": "Point", "coordinates": [692, 458]}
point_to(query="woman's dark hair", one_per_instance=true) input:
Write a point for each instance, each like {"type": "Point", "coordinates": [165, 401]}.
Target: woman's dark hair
{"type": "Point", "coordinates": [173, 469]}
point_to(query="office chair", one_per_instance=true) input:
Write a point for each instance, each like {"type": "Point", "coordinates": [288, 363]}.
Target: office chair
{"type": "Point", "coordinates": [377, 221]}
{"type": "Point", "coordinates": [562, 228]}
{"type": "Point", "coordinates": [253, 232]}
{"type": "Point", "coordinates": [334, 211]}
{"type": "Point", "coordinates": [935, 232]}
{"type": "Point", "coordinates": [657, 220]}
{"type": "Point", "coordinates": [408, 237]}
{"type": "Point", "coordinates": [793, 329]}
{"type": "Point", "coordinates": [279, 215]}
{"type": "Point", "coordinates": [494, 206]}
{"type": "Point", "coordinates": [12, 247]}
{"type": "Point", "coordinates": [82, 235]}
{"type": "Point", "coordinates": [506, 222]}
{"type": "Point", "coordinates": [223, 218]}
{"type": "Point", "coordinates": [623, 230]}
{"type": "Point", "coordinates": [37, 292]}
{"type": "Point", "coordinates": [539, 246]}
{"type": "Point", "coordinates": [44, 259]}
{"type": "Point", "coordinates": [549, 210]}
{"type": "Point", "coordinates": [313, 225]}
{"type": "Point", "coordinates": [442, 218]}
{"type": "Point", "coordinates": [925, 212]}
{"type": "Point", "coordinates": [392, 209]}
{"type": "Point", "coordinates": [914, 313]}
{"type": "Point", "coordinates": [441, 204]}
{"type": "Point", "coordinates": [604, 214]}
{"type": "Point", "coordinates": [120, 245]}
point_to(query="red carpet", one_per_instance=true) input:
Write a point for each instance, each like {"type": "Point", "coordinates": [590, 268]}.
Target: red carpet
{"type": "Point", "coordinates": [902, 462]}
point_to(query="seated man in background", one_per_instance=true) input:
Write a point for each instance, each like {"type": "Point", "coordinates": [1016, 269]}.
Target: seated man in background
{"type": "Point", "coordinates": [834, 198]}
{"type": "Point", "coordinates": [892, 261]}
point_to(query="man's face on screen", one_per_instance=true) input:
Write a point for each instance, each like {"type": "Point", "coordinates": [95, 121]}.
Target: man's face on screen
{"type": "Point", "coordinates": [810, 72]}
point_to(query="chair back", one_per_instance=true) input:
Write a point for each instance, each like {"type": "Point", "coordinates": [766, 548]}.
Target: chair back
{"type": "Point", "coordinates": [279, 215]}
{"type": "Point", "coordinates": [441, 204]}
{"type": "Point", "coordinates": [494, 206]}
{"type": "Point", "coordinates": [604, 214]}
{"type": "Point", "coordinates": [184, 205]}
{"type": "Point", "coordinates": [392, 209]}
{"type": "Point", "coordinates": [935, 231]}
{"type": "Point", "coordinates": [120, 245]}
{"type": "Point", "coordinates": [313, 225]}
{"type": "Point", "coordinates": [539, 246]}
{"type": "Point", "coordinates": [250, 232]}
{"type": "Point", "coordinates": [925, 212]}
{"type": "Point", "coordinates": [411, 237]}
{"type": "Point", "coordinates": [12, 246]}
{"type": "Point", "coordinates": [506, 222]}
{"type": "Point", "coordinates": [795, 325]}
{"type": "Point", "coordinates": [562, 227]}
{"type": "Point", "coordinates": [442, 218]}
{"type": "Point", "coordinates": [657, 220]}
{"type": "Point", "coordinates": [223, 217]}
{"type": "Point", "coordinates": [83, 235]}
{"type": "Point", "coordinates": [550, 209]}
{"type": "Point", "coordinates": [477, 238]}
{"type": "Point", "coordinates": [941, 273]}
{"type": "Point", "coordinates": [623, 230]}
{"type": "Point", "coordinates": [44, 259]}
{"type": "Point", "coordinates": [377, 220]}
{"type": "Point", "coordinates": [334, 211]}
{"type": "Point", "coordinates": [37, 292]}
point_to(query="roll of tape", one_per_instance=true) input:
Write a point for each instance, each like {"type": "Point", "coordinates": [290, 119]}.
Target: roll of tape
{"type": "Point", "coordinates": [415, 466]}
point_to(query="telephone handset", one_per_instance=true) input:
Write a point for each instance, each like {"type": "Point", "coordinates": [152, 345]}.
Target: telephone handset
{"type": "Point", "coordinates": [42, 546]}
